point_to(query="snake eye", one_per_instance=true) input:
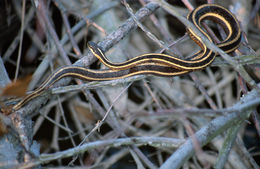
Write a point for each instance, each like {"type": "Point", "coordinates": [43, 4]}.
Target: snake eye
{"type": "Point", "coordinates": [95, 49]}
{"type": "Point", "coordinates": [92, 45]}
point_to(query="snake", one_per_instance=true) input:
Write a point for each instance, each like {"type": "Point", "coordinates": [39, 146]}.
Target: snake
{"type": "Point", "coordinates": [157, 64]}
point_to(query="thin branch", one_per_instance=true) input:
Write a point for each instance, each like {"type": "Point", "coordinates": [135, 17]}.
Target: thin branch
{"type": "Point", "coordinates": [210, 131]}
{"type": "Point", "coordinates": [227, 146]}
{"type": "Point", "coordinates": [21, 42]}
{"type": "Point", "coordinates": [67, 25]}
{"type": "Point", "coordinates": [152, 141]}
{"type": "Point", "coordinates": [49, 27]}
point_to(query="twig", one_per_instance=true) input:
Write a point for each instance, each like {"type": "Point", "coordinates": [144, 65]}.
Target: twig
{"type": "Point", "coordinates": [152, 141]}
{"type": "Point", "coordinates": [15, 42]}
{"type": "Point", "coordinates": [100, 123]}
{"type": "Point", "coordinates": [203, 90]}
{"type": "Point", "coordinates": [21, 42]}
{"type": "Point", "coordinates": [147, 32]}
{"type": "Point", "coordinates": [44, 15]}
{"type": "Point", "coordinates": [256, 120]}
{"type": "Point", "coordinates": [3, 75]}
{"type": "Point", "coordinates": [67, 25]}
{"type": "Point", "coordinates": [166, 35]}
{"type": "Point", "coordinates": [248, 155]}
{"type": "Point", "coordinates": [94, 85]}
{"type": "Point", "coordinates": [207, 133]}
{"type": "Point", "coordinates": [87, 18]}
{"type": "Point", "coordinates": [255, 9]}
{"type": "Point", "coordinates": [188, 5]}
{"type": "Point", "coordinates": [204, 135]}
{"type": "Point", "coordinates": [227, 146]}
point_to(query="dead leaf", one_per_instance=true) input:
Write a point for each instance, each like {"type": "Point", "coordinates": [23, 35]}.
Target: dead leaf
{"type": "Point", "coordinates": [17, 88]}
{"type": "Point", "coordinates": [84, 113]}
{"type": "Point", "coordinates": [3, 128]}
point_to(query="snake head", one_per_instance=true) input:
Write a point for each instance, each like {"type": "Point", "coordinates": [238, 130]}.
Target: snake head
{"type": "Point", "coordinates": [95, 49]}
